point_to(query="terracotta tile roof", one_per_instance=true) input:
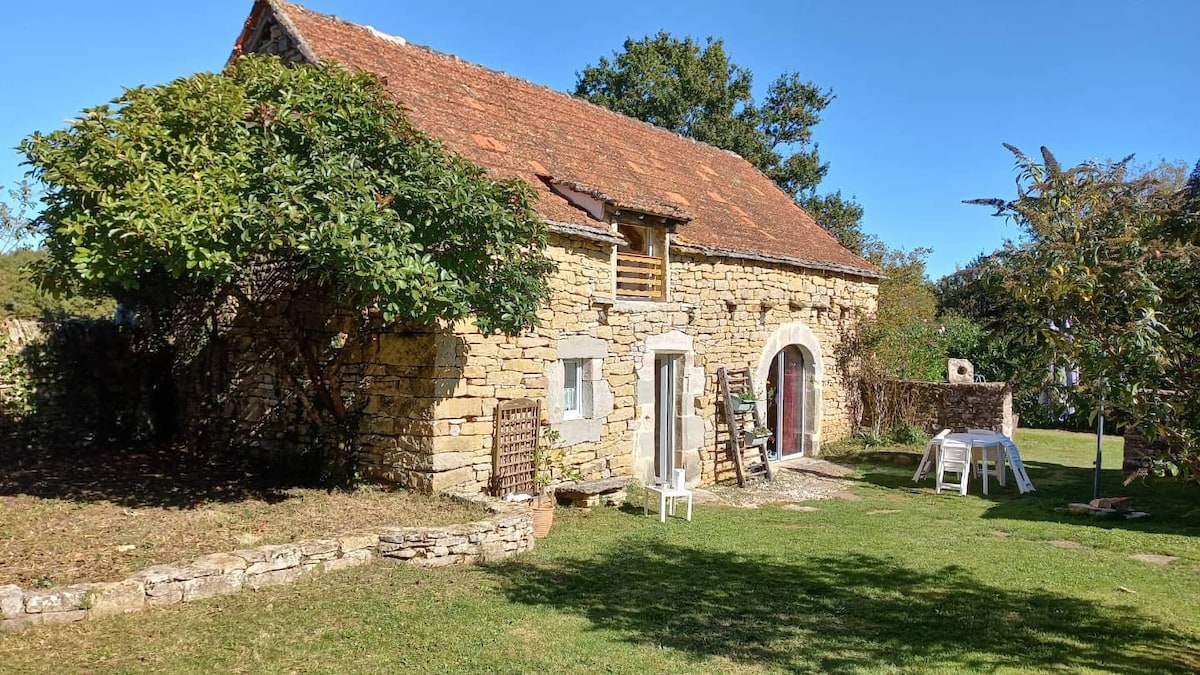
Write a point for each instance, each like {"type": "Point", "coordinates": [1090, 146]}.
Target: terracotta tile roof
{"type": "Point", "coordinates": [515, 128]}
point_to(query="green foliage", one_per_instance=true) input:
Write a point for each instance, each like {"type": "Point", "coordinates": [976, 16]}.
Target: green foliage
{"type": "Point", "coordinates": [16, 384]}
{"type": "Point", "coordinates": [841, 217]}
{"type": "Point", "coordinates": [1104, 282]}
{"type": "Point", "coordinates": [907, 434]}
{"type": "Point", "coordinates": [206, 177]}
{"type": "Point", "coordinates": [270, 187]}
{"type": "Point", "coordinates": [21, 298]}
{"type": "Point", "coordinates": [870, 438]}
{"type": "Point", "coordinates": [907, 340]}
{"type": "Point", "coordinates": [1081, 291]}
{"type": "Point", "coordinates": [695, 90]}
{"type": "Point", "coordinates": [906, 295]}
{"type": "Point", "coordinates": [549, 462]}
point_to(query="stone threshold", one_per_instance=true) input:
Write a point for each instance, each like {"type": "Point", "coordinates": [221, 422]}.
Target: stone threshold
{"type": "Point", "coordinates": [506, 533]}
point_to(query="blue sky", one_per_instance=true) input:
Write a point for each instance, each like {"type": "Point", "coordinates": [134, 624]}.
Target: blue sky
{"type": "Point", "coordinates": [927, 91]}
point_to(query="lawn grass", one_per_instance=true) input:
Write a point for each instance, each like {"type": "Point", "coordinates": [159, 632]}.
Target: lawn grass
{"type": "Point", "coordinates": [899, 580]}
{"type": "Point", "coordinates": [76, 519]}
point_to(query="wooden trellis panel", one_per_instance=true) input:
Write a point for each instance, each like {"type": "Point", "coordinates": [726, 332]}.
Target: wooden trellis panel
{"type": "Point", "coordinates": [516, 438]}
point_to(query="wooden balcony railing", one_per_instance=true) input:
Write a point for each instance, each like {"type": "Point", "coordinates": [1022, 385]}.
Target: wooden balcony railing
{"type": "Point", "coordinates": [640, 277]}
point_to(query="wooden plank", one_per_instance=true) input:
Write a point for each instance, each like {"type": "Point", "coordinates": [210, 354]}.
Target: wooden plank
{"type": "Point", "coordinates": [637, 292]}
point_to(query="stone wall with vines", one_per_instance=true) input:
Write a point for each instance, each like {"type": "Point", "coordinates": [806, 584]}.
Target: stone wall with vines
{"type": "Point", "coordinates": [72, 384]}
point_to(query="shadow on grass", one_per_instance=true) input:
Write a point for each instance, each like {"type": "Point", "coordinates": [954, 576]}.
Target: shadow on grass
{"type": "Point", "coordinates": [1174, 507]}
{"type": "Point", "coordinates": [142, 475]}
{"type": "Point", "coordinates": [838, 613]}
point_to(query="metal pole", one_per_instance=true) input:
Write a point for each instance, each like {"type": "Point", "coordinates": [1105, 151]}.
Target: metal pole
{"type": "Point", "coordinates": [1099, 446]}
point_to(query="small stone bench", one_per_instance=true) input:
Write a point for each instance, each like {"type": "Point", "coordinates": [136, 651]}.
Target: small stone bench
{"type": "Point", "coordinates": [586, 494]}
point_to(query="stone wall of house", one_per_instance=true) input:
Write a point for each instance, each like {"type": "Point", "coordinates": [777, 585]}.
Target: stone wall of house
{"type": "Point", "coordinates": [426, 398]}
{"type": "Point", "coordinates": [956, 406]}
{"type": "Point", "coordinates": [722, 312]}
{"type": "Point", "coordinates": [508, 532]}
{"type": "Point", "coordinates": [237, 396]}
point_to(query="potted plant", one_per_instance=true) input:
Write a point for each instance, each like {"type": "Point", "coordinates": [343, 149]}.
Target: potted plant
{"type": "Point", "coordinates": [757, 436]}
{"type": "Point", "coordinates": [743, 401]}
{"type": "Point", "coordinates": [548, 463]}
{"type": "Point", "coordinates": [543, 503]}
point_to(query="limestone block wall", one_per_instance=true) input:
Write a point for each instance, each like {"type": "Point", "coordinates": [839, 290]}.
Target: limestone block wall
{"type": "Point", "coordinates": [426, 397]}
{"type": "Point", "coordinates": [492, 369]}
{"type": "Point", "coordinates": [945, 405]}
{"type": "Point", "coordinates": [721, 312]}
{"type": "Point", "coordinates": [1138, 451]}
{"type": "Point", "coordinates": [746, 311]}
{"type": "Point", "coordinates": [508, 532]}
{"type": "Point", "coordinates": [238, 396]}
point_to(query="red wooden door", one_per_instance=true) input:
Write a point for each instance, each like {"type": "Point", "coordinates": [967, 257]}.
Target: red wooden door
{"type": "Point", "coordinates": [786, 418]}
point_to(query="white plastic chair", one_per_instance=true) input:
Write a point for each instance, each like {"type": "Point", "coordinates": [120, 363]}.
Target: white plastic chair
{"type": "Point", "coordinates": [953, 457]}
{"type": "Point", "coordinates": [668, 494]}
{"type": "Point", "coordinates": [1013, 457]}
{"type": "Point", "coordinates": [928, 459]}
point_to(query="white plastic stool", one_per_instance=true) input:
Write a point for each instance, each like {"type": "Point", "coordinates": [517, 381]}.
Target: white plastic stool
{"type": "Point", "coordinates": [667, 496]}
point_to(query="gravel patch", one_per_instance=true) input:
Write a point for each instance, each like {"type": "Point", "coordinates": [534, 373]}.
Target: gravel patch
{"type": "Point", "coordinates": [797, 480]}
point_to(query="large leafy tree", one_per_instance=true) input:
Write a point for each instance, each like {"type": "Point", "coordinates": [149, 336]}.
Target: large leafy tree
{"type": "Point", "coordinates": [1101, 283]}
{"type": "Point", "coordinates": [308, 174]}
{"type": "Point", "coordinates": [696, 91]}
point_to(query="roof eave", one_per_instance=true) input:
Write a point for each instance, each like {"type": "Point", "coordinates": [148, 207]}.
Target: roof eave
{"type": "Point", "coordinates": [779, 260]}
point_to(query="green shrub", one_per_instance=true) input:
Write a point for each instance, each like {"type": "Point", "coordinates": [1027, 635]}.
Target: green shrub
{"type": "Point", "coordinates": [869, 438]}
{"type": "Point", "coordinates": [908, 434]}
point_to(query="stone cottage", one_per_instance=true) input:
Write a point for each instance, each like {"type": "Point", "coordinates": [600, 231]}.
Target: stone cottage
{"type": "Point", "coordinates": [674, 258]}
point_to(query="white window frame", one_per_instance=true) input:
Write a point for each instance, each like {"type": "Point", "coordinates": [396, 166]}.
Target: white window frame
{"type": "Point", "coordinates": [595, 398]}
{"type": "Point", "coordinates": [575, 383]}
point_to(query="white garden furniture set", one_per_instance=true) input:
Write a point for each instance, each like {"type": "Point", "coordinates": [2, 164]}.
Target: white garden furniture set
{"type": "Point", "coordinates": [981, 452]}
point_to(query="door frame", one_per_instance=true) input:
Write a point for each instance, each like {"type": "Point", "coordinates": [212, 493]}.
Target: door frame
{"type": "Point", "coordinates": [666, 412]}
{"type": "Point", "coordinates": [783, 399]}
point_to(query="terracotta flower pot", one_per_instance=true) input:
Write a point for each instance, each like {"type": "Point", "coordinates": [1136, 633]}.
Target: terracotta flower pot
{"type": "Point", "coordinates": [543, 518]}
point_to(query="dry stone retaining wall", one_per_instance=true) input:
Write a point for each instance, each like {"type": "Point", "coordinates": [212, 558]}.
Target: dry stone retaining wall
{"type": "Point", "coordinates": [1139, 452]}
{"type": "Point", "coordinates": [508, 532]}
{"type": "Point", "coordinates": [945, 405]}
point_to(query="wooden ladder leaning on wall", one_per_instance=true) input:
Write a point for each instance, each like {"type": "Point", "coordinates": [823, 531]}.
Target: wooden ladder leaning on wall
{"type": "Point", "coordinates": [739, 379]}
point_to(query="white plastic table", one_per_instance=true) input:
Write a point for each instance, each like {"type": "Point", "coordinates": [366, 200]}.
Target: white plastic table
{"type": "Point", "coordinates": [667, 495]}
{"type": "Point", "coordinates": [986, 441]}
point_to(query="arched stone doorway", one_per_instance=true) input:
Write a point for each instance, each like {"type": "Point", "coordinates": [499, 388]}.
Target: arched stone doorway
{"type": "Point", "coordinates": [792, 369]}
{"type": "Point", "coordinates": [786, 402]}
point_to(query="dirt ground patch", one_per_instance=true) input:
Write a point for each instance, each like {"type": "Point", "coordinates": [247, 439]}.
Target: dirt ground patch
{"type": "Point", "coordinates": [799, 479]}
{"type": "Point", "coordinates": [103, 516]}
